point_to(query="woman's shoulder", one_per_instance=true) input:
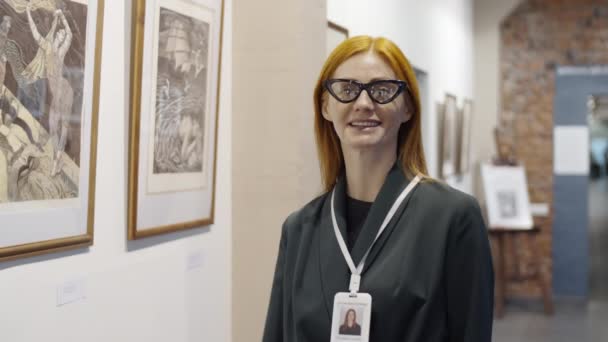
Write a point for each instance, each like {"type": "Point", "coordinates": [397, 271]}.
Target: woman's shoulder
{"type": "Point", "coordinates": [309, 213]}
{"type": "Point", "coordinates": [444, 197]}
{"type": "Point", "coordinates": [460, 210]}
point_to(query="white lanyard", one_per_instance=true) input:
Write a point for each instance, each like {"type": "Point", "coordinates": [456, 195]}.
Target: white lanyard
{"type": "Point", "coordinates": [355, 278]}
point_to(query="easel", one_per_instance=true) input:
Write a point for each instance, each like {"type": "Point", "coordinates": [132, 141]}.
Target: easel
{"type": "Point", "coordinates": [503, 234]}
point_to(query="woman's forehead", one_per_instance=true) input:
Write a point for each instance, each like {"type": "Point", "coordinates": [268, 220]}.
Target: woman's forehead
{"type": "Point", "coordinates": [365, 67]}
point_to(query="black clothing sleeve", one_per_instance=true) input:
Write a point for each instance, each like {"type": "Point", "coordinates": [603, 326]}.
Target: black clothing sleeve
{"type": "Point", "coordinates": [273, 330]}
{"type": "Point", "coordinates": [469, 277]}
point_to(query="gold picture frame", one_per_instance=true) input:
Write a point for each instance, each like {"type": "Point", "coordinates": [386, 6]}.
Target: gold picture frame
{"type": "Point", "coordinates": [61, 162]}
{"type": "Point", "coordinates": [172, 169]}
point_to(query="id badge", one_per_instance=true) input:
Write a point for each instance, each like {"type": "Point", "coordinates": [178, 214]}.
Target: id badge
{"type": "Point", "coordinates": [351, 317]}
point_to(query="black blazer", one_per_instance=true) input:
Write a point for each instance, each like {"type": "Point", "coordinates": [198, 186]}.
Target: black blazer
{"type": "Point", "coordinates": [346, 330]}
{"type": "Point", "coordinates": [429, 274]}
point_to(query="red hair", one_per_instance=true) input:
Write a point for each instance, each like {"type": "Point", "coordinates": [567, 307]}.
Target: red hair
{"type": "Point", "coordinates": [410, 153]}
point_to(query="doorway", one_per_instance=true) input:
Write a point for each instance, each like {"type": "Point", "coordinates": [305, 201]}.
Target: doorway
{"type": "Point", "coordinates": [580, 227]}
{"type": "Point", "coordinates": [598, 195]}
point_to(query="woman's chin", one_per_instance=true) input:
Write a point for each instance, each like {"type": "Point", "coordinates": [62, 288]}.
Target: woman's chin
{"type": "Point", "coordinates": [363, 143]}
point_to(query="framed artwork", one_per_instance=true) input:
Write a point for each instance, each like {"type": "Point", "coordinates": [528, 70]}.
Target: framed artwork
{"type": "Point", "coordinates": [448, 124]}
{"type": "Point", "coordinates": [440, 108]}
{"type": "Point", "coordinates": [506, 193]}
{"type": "Point", "coordinates": [50, 54]}
{"type": "Point", "coordinates": [464, 145]}
{"type": "Point", "coordinates": [335, 35]}
{"type": "Point", "coordinates": [176, 49]}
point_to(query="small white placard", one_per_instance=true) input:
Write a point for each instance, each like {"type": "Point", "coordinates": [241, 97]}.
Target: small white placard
{"type": "Point", "coordinates": [571, 150]}
{"type": "Point", "coordinates": [71, 291]}
{"type": "Point", "coordinates": [194, 260]}
{"type": "Point", "coordinates": [539, 209]}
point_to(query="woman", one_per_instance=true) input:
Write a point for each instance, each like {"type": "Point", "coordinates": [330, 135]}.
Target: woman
{"type": "Point", "coordinates": [429, 272]}
{"type": "Point", "coordinates": [350, 326]}
{"type": "Point", "coordinates": [50, 58]}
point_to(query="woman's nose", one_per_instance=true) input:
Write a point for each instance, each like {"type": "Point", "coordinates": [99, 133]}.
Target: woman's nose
{"type": "Point", "coordinates": [364, 102]}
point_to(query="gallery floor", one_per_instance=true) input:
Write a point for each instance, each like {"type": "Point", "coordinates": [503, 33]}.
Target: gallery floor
{"type": "Point", "coordinates": [574, 320]}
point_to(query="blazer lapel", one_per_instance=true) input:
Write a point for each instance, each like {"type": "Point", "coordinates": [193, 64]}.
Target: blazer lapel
{"type": "Point", "coordinates": [335, 274]}
{"type": "Point", "coordinates": [394, 184]}
{"type": "Point", "coordinates": [340, 206]}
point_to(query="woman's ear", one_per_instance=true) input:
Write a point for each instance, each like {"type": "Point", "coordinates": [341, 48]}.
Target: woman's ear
{"type": "Point", "coordinates": [409, 108]}
{"type": "Point", "coordinates": [324, 103]}
{"type": "Point", "coordinates": [408, 116]}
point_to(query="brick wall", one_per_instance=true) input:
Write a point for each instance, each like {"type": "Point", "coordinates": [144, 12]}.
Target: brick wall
{"type": "Point", "coordinates": [535, 37]}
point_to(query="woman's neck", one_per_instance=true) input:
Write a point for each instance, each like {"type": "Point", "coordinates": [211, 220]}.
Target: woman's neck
{"type": "Point", "coordinates": [366, 171]}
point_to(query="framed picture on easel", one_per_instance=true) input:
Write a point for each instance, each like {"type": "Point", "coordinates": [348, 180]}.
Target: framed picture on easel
{"type": "Point", "coordinates": [506, 194]}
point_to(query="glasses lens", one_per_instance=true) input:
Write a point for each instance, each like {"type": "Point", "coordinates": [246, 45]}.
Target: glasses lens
{"type": "Point", "coordinates": [383, 91]}
{"type": "Point", "coordinates": [345, 90]}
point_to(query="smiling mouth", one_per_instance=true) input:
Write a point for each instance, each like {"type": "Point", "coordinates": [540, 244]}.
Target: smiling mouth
{"type": "Point", "coordinates": [365, 123]}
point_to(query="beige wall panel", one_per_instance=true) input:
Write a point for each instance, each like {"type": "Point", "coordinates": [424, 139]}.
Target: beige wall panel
{"type": "Point", "coordinates": [278, 50]}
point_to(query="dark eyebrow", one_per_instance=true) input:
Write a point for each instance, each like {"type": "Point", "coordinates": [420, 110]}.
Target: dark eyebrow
{"type": "Point", "coordinates": [371, 80]}
{"type": "Point", "coordinates": [382, 79]}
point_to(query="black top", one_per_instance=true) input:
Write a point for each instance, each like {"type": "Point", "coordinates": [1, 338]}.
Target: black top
{"type": "Point", "coordinates": [429, 274]}
{"type": "Point", "coordinates": [346, 330]}
{"type": "Point", "coordinates": [356, 212]}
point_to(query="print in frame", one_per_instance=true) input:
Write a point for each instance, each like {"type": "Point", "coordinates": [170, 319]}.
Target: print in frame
{"type": "Point", "coordinates": [50, 54]}
{"type": "Point", "coordinates": [506, 195]}
{"type": "Point", "coordinates": [464, 132]}
{"type": "Point", "coordinates": [448, 150]}
{"type": "Point", "coordinates": [440, 108]}
{"type": "Point", "coordinates": [176, 49]}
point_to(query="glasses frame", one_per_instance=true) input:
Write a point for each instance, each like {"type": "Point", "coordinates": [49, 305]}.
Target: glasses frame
{"type": "Point", "coordinates": [365, 86]}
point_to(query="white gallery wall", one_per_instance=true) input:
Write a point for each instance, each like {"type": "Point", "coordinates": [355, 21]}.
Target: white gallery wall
{"type": "Point", "coordinates": [488, 16]}
{"type": "Point", "coordinates": [175, 287]}
{"type": "Point", "coordinates": [437, 38]}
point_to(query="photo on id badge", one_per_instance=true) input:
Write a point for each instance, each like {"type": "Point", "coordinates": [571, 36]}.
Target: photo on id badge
{"type": "Point", "coordinates": [350, 320]}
